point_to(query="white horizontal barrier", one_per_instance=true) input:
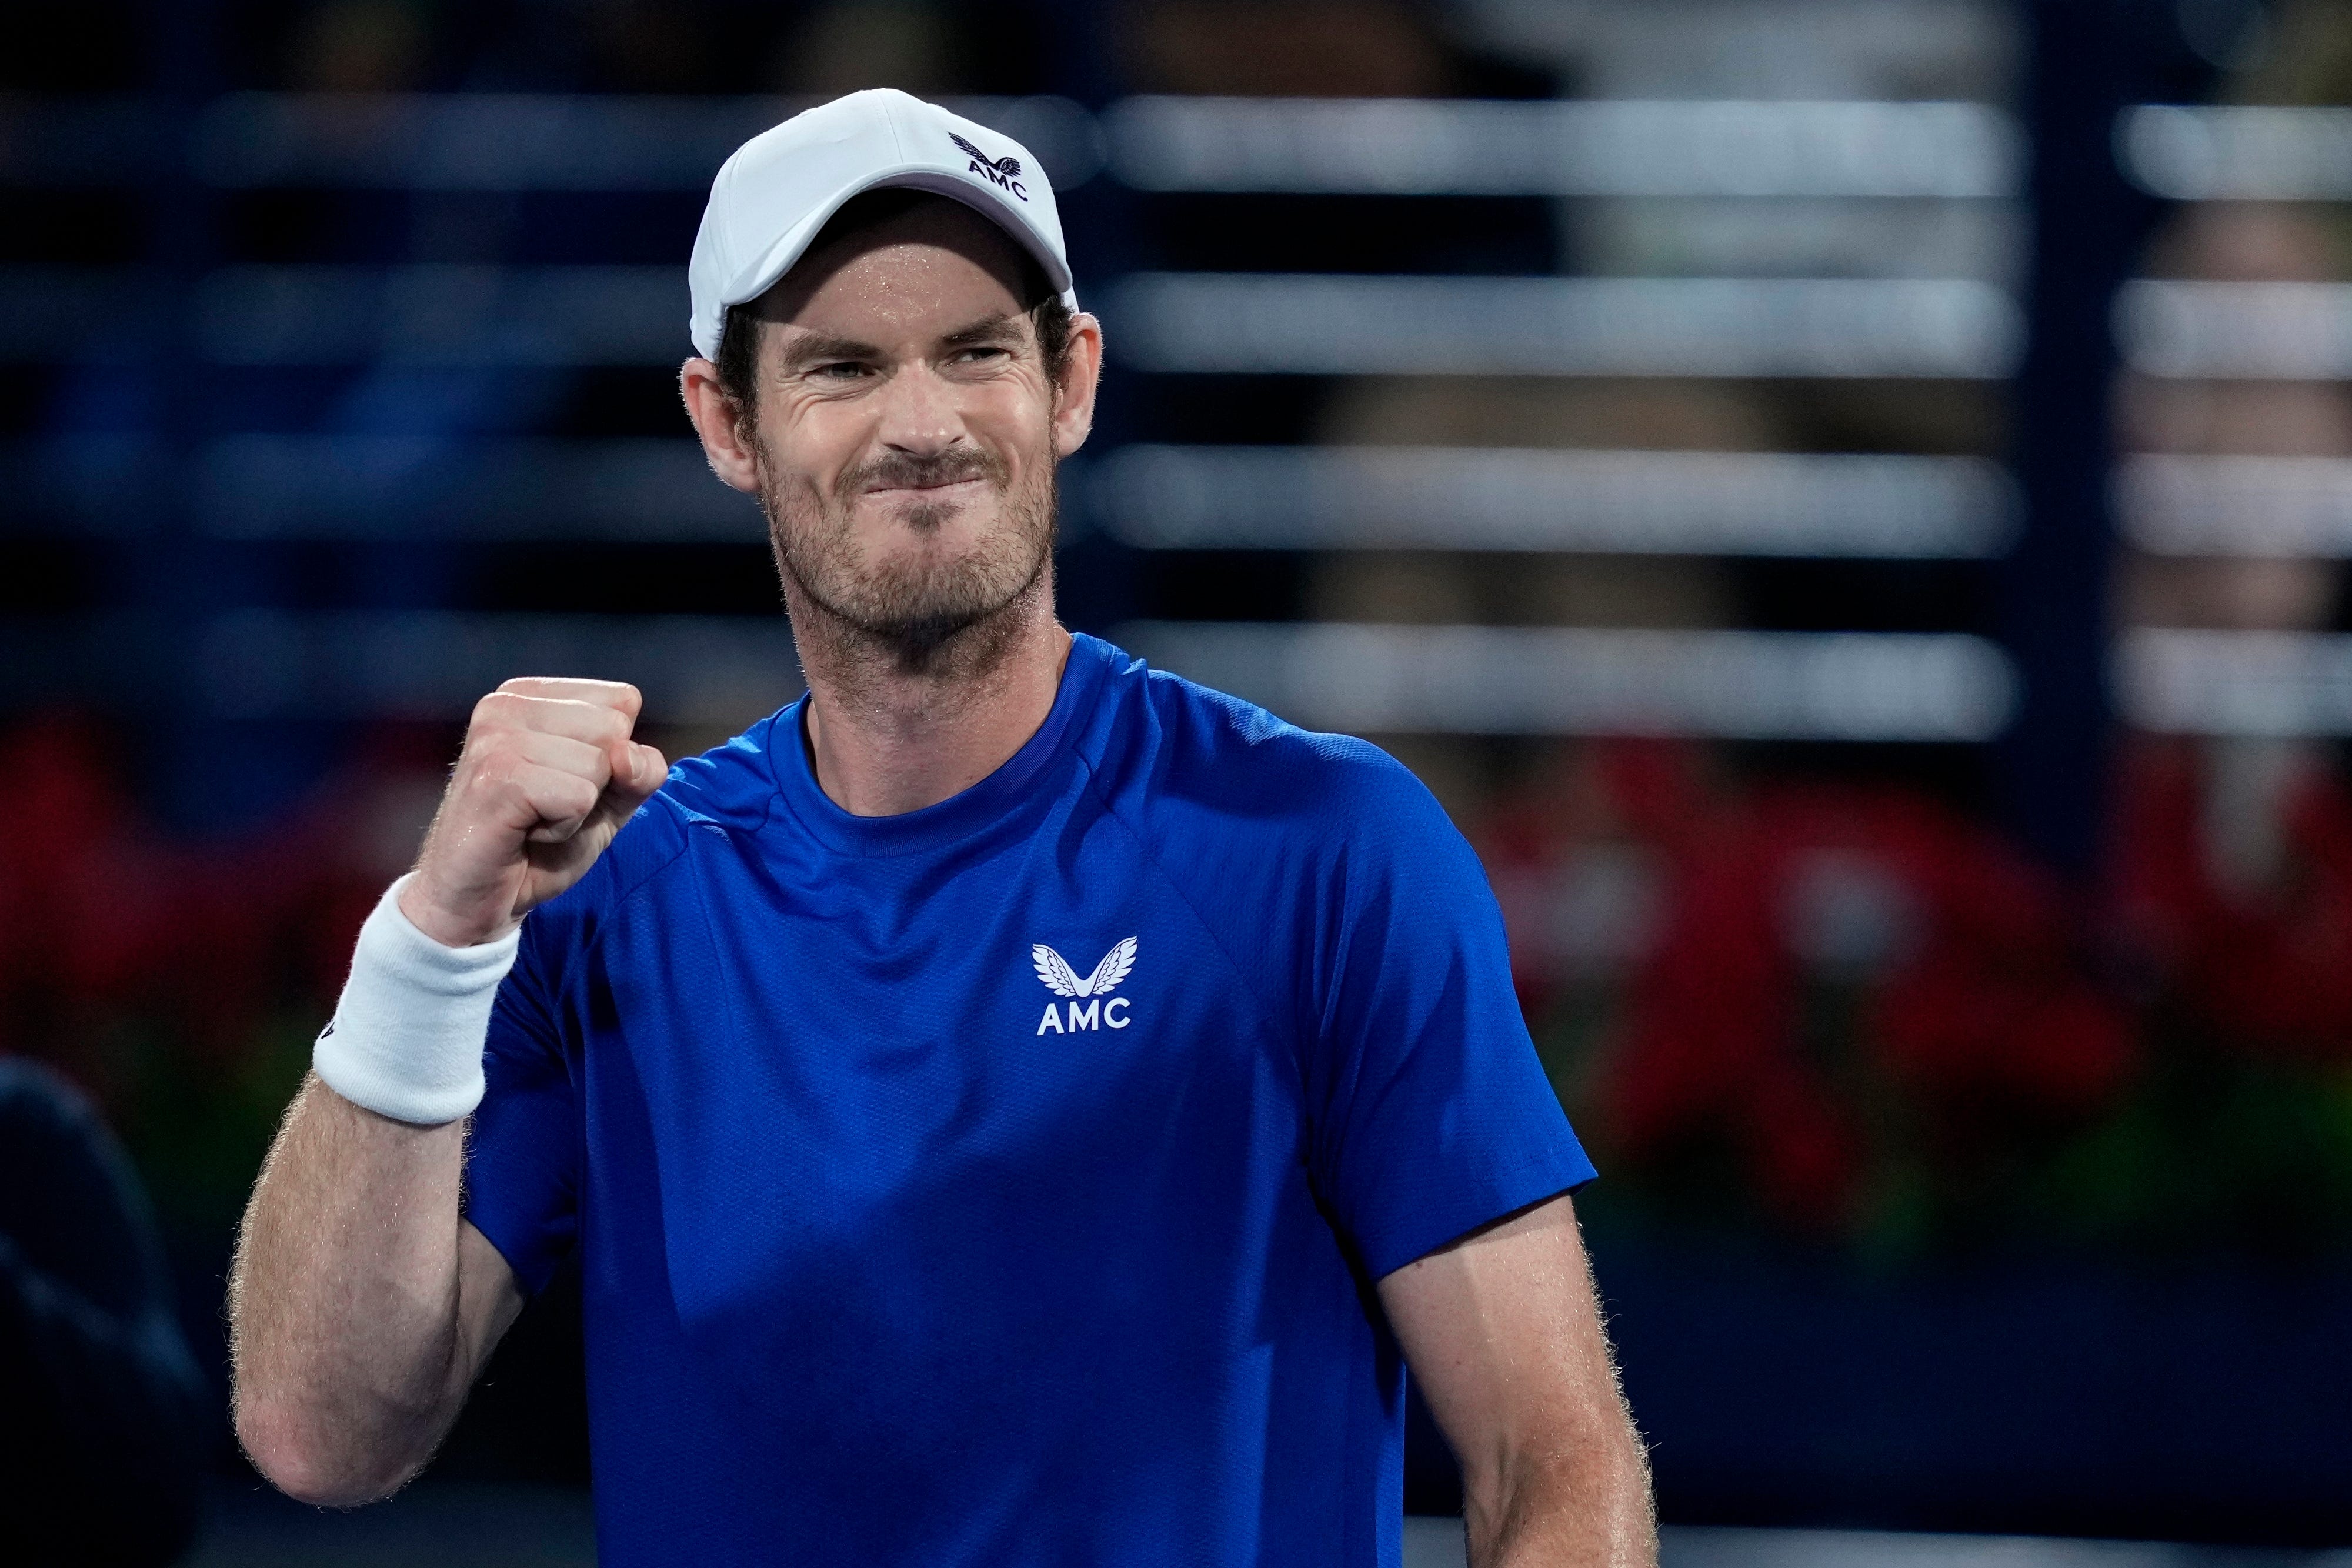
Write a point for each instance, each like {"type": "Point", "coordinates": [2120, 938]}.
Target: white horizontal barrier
{"type": "Point", "coordinates": [2267, 331]}
{"type": "Point", "coordinates": [1639, 502]}
{"type": "Point", "coordinates": [1824, 686]}
{"type": "Point", "coordinates": [1341, 325]}
{"type": "Point", "coordinates": [2235, 683]}
{"type": "Point", "coordinates": [2171, 504]}
{"type": "Point", "coordinates": [1594, 147]}
{"type": "Point", "coordinates": [2238, 153]}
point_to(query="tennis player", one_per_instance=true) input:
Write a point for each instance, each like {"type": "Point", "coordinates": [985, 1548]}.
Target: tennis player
{"type": "Point", "coordinates": [1012, 1106]}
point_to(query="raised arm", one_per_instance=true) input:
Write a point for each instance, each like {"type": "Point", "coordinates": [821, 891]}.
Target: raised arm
{"type": "Point", "coordinates": [361, 1306]}
{"type": "Point", "coordinates": [1504, 1335]}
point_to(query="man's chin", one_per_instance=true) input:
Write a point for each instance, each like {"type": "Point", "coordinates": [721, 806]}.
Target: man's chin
{"type": "Point", "coordinates": [916, 634]}
{"type": "Point", "coordinates": [918, 613]}
{"type": "Point", "coordinates": [941, 609]}
{"type": "Point", "coordinates": [911, 564]}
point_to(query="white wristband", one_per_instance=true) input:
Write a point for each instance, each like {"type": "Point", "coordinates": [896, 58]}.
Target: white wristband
{"type": "Point", "coordinates": [406, 1037]}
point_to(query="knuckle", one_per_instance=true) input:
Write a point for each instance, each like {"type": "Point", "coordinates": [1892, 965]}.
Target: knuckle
{"type": "Point", "coordinates": [500, 710]}
{"type": "Point", "coordinates": [620, 700]}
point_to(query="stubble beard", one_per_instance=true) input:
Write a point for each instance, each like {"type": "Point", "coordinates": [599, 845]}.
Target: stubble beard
{"type": "Point", "coordinates": [956, 616]}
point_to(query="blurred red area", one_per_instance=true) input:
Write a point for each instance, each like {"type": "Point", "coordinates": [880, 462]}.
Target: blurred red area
{"type": "Point", "coordinates": [1853, 1013]}
{"type": "Point", "coordinates": [2266, 957]}
{"type": "Point", "coordinates": [179, 984]}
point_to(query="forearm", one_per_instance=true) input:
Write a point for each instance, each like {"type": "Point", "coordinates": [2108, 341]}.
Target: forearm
{"type": "Point", "coordinates": [1503, 1332]}
{"type": "Point", "coordinates": [1592, 1510]}
{"type": "Point", "coordinates": [346, 1331]}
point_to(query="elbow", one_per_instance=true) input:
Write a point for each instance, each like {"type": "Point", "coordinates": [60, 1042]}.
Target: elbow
{"type": "Point", "coordinates": [295, 1452]}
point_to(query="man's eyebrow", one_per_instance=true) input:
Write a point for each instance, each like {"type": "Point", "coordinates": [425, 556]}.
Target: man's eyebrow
{"type": "Point", "coordinates": [817, 348]}
{"type": "Point", "coordinates": [990, 329]}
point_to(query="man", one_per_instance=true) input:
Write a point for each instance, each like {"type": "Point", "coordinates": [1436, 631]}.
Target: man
{"type": "Point", "coordinates": [1010, 1106]}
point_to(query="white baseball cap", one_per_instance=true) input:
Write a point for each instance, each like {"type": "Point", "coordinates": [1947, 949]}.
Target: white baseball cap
{"type": "Point", "coordinates": [776, 191]}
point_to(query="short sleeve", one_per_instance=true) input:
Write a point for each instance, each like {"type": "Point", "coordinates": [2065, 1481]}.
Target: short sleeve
{"type": "Point", "coordinates": [1434, 1115]}
{"type": "Point", "coordinates": [522, 1162]}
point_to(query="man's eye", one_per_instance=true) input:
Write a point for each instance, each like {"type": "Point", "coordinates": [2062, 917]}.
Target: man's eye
{"type": "Point", "coordinates": [982, 351]}
{"type": "Point", "coordinates": [844, 370]}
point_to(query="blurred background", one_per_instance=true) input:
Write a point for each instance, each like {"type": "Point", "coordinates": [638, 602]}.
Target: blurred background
{"type": "Point", "coordinates": [1844, 500]}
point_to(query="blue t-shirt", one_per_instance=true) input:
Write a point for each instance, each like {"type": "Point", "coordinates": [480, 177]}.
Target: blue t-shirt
{"type": "Point", "coordinates": [1006, 1182]}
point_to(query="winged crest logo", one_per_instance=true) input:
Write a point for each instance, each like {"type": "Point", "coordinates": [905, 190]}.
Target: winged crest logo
{"type": "Point", "coordinates": [1063, 981]}
{"type": "Point", "coordinates": [1054, 971]}
{"type": "Point", "coordinates": [1005, 170]}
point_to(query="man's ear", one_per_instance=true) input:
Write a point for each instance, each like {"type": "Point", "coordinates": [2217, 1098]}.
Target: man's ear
{"type": "Point", "coordinates": [1074, 398]}
{"type": "Point", "coordinates": [719, 421]}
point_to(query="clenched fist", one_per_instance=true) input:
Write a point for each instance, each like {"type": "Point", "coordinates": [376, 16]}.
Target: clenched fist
{"type": "Point", "coordinates": [548, 775]}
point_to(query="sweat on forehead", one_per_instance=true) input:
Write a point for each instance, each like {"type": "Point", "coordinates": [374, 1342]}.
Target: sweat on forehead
{"type": "Point", "coordinates": [894, 216]}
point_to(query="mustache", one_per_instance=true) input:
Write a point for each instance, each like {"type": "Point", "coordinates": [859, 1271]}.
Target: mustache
{"type": "Point", "coordinates": [907, 470]}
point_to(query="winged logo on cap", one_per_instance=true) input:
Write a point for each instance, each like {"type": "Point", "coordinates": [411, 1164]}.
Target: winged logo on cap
{"type": "Point", "coordinates": [1010, 167]}
{"type": "Point", "coordinates": [1063, 981]}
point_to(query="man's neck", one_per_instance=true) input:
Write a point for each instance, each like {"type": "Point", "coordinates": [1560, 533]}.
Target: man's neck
{"type": "Point", "coordinates": [884, 742]}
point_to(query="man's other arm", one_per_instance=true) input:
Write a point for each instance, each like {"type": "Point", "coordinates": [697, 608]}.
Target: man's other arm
{"type": "Point", "coordinates": [1503, 1332]}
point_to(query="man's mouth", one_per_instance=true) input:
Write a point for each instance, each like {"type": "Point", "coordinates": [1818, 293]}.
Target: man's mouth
{"type": "Point", "coordinates": [935, 490]}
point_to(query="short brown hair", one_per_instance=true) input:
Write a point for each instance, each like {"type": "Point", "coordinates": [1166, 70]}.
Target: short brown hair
{"type": "Point", "coordinates": [738, 335]}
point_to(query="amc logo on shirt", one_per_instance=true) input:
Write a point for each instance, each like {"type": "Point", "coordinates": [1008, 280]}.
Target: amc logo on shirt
{"type": "Point", "coordinates": [1100, 1009]}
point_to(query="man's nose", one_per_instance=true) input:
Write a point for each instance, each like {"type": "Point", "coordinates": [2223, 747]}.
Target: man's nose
{"type": "Point", "coordinates": [920, 415]}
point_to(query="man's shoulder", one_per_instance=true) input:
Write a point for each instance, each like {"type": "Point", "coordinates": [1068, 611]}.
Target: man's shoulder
{"type": "Point", "coordinates": [1179, 746]}
{"type": "Point", "coordinates": [732, 785]}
